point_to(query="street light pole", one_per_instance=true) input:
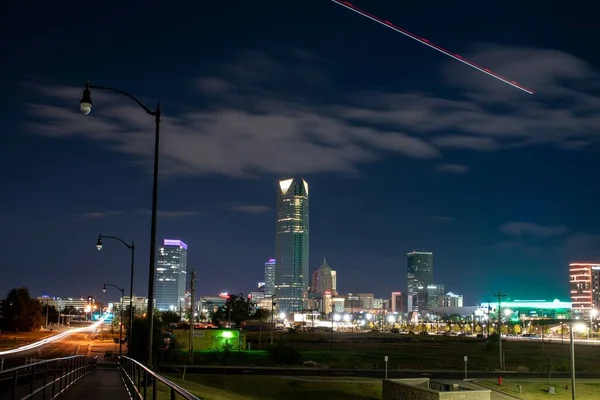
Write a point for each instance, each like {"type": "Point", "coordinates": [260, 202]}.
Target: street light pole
{"type": "Point", "coordinates": [120, 315]}
{"type": "Point", "coordinates": [85, 105]}
{"type": "Point", "coordinates": [572, 361]}
{"type": "Point", "coordinates": [132, 248]}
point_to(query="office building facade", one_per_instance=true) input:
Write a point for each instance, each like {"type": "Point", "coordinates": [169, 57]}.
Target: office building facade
{"type": "Point", "coordinates": [397, 303]}
{"type": "Point", "coordinates": [322, 280]}
{"type": "Point", "coordinates": [419, 274]}
{"type": "Point", "coordinates": [171, 273]}
{"type": "Point", "coordinates": [269, 287]}
{"type": "Point", "coordinates": [292, 245]}
{"type": "Point", "coordinates": [584, 287]}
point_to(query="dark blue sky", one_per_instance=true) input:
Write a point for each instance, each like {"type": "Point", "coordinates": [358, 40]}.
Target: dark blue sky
{"type": "Point", "coordinates": [404, 148]}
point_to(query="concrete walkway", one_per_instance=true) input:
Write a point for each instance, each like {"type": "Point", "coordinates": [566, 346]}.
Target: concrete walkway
{"type": "Point", "coordinates": [105, 383]}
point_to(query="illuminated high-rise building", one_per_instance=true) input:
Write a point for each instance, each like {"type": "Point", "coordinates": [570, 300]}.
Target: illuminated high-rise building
{"type": "Point", "coordinates": [334, 281]}
{"type": "Point", "coordinates": [291, 245]}
{"type": "Point", "coordinates": [585, 288]}
{"type": "Point", "coordinates": [171, 275]}
{"type": "Point", "coordinates": [322, 279]}
{"type": "Point", "coordinates": [419, 274]}
{"type": "Point", "coordinates": [270, 278]}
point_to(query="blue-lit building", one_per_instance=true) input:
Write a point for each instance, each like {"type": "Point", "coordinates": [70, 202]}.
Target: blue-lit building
{"type": "Point", "coordinates": [269, 287]}
{"type": "Point", "coordinates": [171, 275]}
{"type": "Point", "coordinates": [291, 245]}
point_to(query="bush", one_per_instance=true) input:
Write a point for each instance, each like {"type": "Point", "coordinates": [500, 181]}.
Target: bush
{"type": "Point", "coordinates": [282, 354]}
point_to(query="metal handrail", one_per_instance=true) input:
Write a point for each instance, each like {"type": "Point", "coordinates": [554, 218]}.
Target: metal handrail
{"type": "Point", "coordinates": [138, 378]}
{"type": "Point", "coordinates": [48, 378]}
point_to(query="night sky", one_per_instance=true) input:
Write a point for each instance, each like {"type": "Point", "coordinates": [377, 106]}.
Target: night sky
{"type": "Point", "coordinates": [403, 148]}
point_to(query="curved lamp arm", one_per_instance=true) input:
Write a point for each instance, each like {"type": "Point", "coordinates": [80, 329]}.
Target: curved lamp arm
{"type": "Point", "coordinates": [116, 238]}
{"type": "Point", "coordinates": [115, 286]}
{"type": "Point", "coordinates": [154, 113]}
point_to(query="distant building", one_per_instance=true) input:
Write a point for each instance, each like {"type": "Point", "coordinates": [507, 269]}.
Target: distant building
{"type": "Point", "coordinates": [450, 300]}
{"type": "Point", "coordinates": [366, 300]}
{"type": "Point", "coordinates": [427, 297]}
{"type": "Point", "coordinates": [419, 274]}
{"type": "Point", "coordinates": [322, 281]}
{"type": "Point", "coordinates": [398, 302]}
{"type": "Point", "coordinates": [171, 274]}
{"type": "Point", "coordinates": [270, 277]}
{"type": "Point", "coordinates": [60, 303]}
{"type": "Point", "coordinates": [292, 245]}
{"type": "Point", "coordinates": [524, 310]}
{"type": "Point", "coordinates": [585, 288]}
{"type": "Point", "coordinates": [334, 281]}
{"type": "Point", "coordinates": [140, 304]}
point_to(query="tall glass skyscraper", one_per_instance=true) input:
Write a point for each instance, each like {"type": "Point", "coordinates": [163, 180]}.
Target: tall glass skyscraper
{"type": "Point", "coordinates": [291, 245]}
{"type": "Point", "coordinates": [171, 275]}
{"type": "Point", "coordinates": [419, 274]}
{"type": "Point", "coordinates": [270, 277]}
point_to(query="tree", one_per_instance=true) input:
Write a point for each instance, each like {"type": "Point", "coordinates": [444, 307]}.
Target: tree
{"type": "Point", "coordinates": [20, 311]}
{"type": "Point", "coordinates": [52, 313]}
{"type": "Point", "coordinates": [170, 317]}
{"type": "Point", "coordinates": [139, 347]}
{"type": "Point", "coordinates": [262, 314]}
{"type": "Point", "coordinates": [236, 310]}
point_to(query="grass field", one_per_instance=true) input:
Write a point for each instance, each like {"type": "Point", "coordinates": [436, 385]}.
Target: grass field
{"type": "Point", "coordinates": [14, 340]}
{"type": "Point", "coordinates": [367, 351]}
{"type": "Point", "coordinates": [538, 389]}
{"type": "Point", "coordinates": [233, 387]}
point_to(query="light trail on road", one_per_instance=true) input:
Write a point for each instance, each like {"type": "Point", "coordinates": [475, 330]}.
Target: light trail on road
{"type": "Point", "coordinates": [51, 339]}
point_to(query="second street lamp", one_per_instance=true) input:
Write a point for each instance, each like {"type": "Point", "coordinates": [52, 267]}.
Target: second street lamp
{"type": "Point", "coordinates": [85, 105]}
{"type": "Point", "coordinates": [132, 248]}
{"type": "Point", "coordinates": [120, 315]}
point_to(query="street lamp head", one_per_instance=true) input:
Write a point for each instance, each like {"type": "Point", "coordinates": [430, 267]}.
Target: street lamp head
{"type": "Point", "coordinates": [99, 243]}
{"type": "Point", "coordinates": [104, 289]}
{"type": "Point", "coordinates": [85, 105]}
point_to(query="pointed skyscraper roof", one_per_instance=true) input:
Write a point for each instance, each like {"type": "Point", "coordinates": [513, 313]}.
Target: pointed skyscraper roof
{"type": "Point", "coordinates": [325, 265]}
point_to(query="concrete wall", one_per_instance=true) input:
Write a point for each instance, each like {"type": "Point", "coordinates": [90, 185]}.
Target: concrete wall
{"type": "Point", "coordinates": [418, 389]}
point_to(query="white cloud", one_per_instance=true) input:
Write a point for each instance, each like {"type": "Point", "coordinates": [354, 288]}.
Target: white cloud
{"type": "Point", "coordinates": [255, 124]}
{"type": "Point", "coordinates": [453, 168]}
{"type": "Point", "coordinates": [532, 229]}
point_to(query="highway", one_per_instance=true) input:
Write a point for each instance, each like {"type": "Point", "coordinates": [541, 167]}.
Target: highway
{"type": "Point", "coordinates": [76, 341]}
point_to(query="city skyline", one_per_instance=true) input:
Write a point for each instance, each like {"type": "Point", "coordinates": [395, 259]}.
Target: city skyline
{"type": "Point", "coordinates": [404, 148]}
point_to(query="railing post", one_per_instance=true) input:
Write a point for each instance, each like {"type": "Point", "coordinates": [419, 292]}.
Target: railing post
{"type": "Point", "coordinates": [53, 378]}
{"type": "Point", "coordinates": [173, 394]}
{"type": "Point", "coordinates": [60, 377]}
{"type": "Point", "coordinates": [32, 378]}
{"type": "Point", "coordinates": [16, 378]}
{"type": "Point", "coordinates": [145, 381]}
{"type": "Point", "coordinates": [45, 381]}
{"type": "Point", "coordinates": [154, 389]}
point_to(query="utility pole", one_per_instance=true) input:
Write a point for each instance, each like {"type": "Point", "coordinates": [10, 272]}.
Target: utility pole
{"type": "Point", "coordinates": [272, 317]}
{"type": "Point", "coordinates": [47, 313]}
{"type": "Point", "coordinates": [488, 314]}
{"type": "Point", "coordinates": [499, 296]}
{"type": "Point", "coordinates": [192, 308]}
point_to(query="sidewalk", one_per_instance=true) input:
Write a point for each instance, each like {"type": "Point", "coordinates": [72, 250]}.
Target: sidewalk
{"type": "Point", "coordinates": [105, 383]}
